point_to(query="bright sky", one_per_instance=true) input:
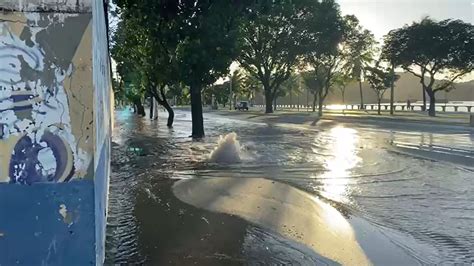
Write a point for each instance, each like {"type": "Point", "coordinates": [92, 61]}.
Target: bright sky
{"type": "Point", "coordinates": [381, 16]}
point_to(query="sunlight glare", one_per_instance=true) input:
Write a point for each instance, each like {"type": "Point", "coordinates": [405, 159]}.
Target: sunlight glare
{"type": "Point", "coordinates": [342, 158]}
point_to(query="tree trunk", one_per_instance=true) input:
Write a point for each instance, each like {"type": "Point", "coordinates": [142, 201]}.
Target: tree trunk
{"type": "Point", "coordinates": [291, 100]}
{"type": "Point", "coordinates": [320, 107]}
{"type": "Point", "coordinates": [155, 111]}
{"type": "Point", "coordinates": [343, 100]}
{"type": "Point", "coordinates": [167, 106]}
{"type": "Point", "coordinates": [423, 91]}
{"type": "Point", "coordinates": [314, 102]}
{"type": "Point", "coordinates": [432, 110]}
{"type": "Point", "coordinates": [196, 112]}
{"type": "Point", "coordinates": [378, 103]}
{"type": "Point", "coordinates": [151, 107]}
{"type": "Point", "coordinates": [139, 107]}
{"type": "Point", "coordinates": [361, 95]}
{"type": "Point", "coordinates": [320, 104]}
{"type": "Point", "coordinates": [275, 103]}
{"type": "Point", "coordinates": [170, 113]}
{"type": "Point", "coordinates": [268, 101]}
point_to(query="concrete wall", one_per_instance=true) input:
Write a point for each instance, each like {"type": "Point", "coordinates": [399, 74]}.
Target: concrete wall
{"type": "Point", "coordinates": [54, 132]}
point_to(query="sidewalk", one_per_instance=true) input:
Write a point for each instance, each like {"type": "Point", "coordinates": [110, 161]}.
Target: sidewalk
{"type": "Point", "coordinates": [399, 119]}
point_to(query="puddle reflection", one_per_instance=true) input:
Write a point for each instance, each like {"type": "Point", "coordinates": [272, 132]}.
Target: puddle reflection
{"type": "Point", "coordinates": [342, 157]}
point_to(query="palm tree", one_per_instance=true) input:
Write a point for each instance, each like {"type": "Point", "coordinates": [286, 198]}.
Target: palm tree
{"type": "Point", "coordinates": [340, 81]}
{"type": "Point", "coordinates": [235, 81]}
{"type": "Point", "coordinates": [361, 53]}
{"type": "Point", "coordinates": [250, 86]}
{"type": "Point", "coordinates": [288, 87]}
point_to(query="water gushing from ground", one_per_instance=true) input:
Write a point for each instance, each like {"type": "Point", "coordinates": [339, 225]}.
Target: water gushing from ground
{"type": "Point", "coordinates": [386, 176]}
{"type": "Point", "coordinates": [227, 151]}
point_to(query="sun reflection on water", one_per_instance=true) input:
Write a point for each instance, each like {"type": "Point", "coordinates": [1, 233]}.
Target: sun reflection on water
{"type": "Point", "coordinates": [340, 160]}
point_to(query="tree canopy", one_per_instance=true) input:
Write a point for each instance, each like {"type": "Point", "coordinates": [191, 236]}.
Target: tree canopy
{"type": "Point", "coordinates": [276, 35]}
{"type": "Point", "coordinates": [189, 41]}
{"type": "Point", "coordinates": [380, 79]}
{"type": "Point", "coordinates": [429, 49]}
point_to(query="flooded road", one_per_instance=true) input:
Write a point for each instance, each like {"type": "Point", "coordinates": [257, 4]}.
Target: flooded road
{"type": "Point", "coordinates": [416, 188]}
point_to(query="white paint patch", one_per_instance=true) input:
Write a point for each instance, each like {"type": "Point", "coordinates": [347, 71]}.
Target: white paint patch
{"type": "Point", "coordinates": [63, 211]}
{"type": "Point", "coordinates": [23, 124]}
{"type": "Point", "coordinates": [47, 161]}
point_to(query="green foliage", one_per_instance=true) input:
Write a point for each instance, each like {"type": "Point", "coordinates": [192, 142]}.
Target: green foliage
{"type": "Point", "coordinates": [235, 81]}
{"type": "Point", "coordinates": [432, 46]}
{"type": "Point", "coordinates": [276, 36]}
{"type": "Point", "coordinates": [346, 55]}
{"type": "Point", "coordinates": [208, 43]}
{"type": "Point", "coordinates": [193, 42]}
{"type": "Point", "coordinates": [360, 48]}
{"type": "Point", "coordinates": [429, 48]}
{"type": "Point", "coordinates": [290, 86]}
{"type": "Point", "coordinates": [341, 79]}
{"type": "Point", "coordinates": [380, 79]}
{"type": "Point", "coordinates": [250, 86]}
{"type": "Point", "coordinates": [314, 80]}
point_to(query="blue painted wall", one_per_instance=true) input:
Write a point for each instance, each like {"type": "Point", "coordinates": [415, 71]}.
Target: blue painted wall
{"type": "Point", "coordinates": [34, 232]}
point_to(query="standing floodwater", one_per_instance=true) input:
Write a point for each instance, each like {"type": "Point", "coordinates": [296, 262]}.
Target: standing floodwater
{"type": "Point", "coordinates": [396, 181]}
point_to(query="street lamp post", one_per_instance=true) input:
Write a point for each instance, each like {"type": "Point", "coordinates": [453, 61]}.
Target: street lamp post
{"type": "Point", "coordinates": [230, 93]}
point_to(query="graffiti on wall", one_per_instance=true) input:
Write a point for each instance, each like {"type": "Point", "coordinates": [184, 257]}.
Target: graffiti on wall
{"type": "Point", "coordinates": [46, 97]}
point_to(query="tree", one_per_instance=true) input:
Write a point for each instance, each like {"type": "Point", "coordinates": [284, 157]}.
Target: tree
{"type": "Point", "coordinates": [274, 40]}
{"type": "Point", "coordinates": [250, 86]}
{"type": "Point", "coordinates": [234, 86]}
{"type": "Point", "coordinates": [176, 91]}
{"type": "Point", "coordinates": [207, 48]}
{"type": "Point", "coordinates": [289, 87]}
{"type": "Point", "coordinates": [193, 42]}
{"type": "Point", "coordinates": [330, 61]}
{"type": "Point", "coordinates": [135, 93]}
{"type": "Point", "coordinates": [313, 81]}
{"type": "Point", "coordinates": [220, 92]}
{"type": "Point", "coordinates": [340, 82]}
{"type": "Point", "coordinates": [380, 80]}
{"type": "Point", "coordinates": [131, 86]}
{"type": "Point", "coordinates": [119, 91]}
{"type": "Point", "coordinates": [430, 49]}
{"type": "Point", "coordinates": [145, 50]}
{"type": "Point", "coordinates": [361, 43]}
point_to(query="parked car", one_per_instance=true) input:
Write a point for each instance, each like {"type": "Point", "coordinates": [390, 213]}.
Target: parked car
{"type": "Point", "coordinates": [243, 105]}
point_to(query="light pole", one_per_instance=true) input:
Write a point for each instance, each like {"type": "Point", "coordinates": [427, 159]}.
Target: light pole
{"type": "Point", "coordinates": [307, 98]}
{"type": "Point", "coordinates": [298, 106]}
{"type": "Point", "coordinates": [392, 92]}
{"type": "Point", "coordinates": [230, 92]}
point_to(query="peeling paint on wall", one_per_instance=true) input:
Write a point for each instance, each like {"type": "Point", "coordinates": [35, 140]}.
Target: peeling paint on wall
{"type": "Point", "coordinates": [46, 97]}
{"type": "Point", "coordinates": [76, 6]}
{"type": "Point", "coordinates": [52, 95]}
